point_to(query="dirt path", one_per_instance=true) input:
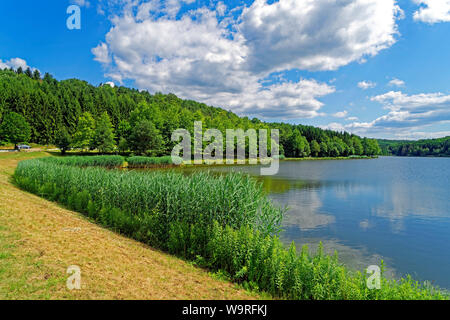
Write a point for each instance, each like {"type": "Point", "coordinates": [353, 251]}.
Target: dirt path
{"type": "Point", "coordinates": [39, 240]}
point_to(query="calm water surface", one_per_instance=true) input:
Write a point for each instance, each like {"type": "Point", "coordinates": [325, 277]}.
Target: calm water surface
{"type": "Point", "coordinates": [391, 208]}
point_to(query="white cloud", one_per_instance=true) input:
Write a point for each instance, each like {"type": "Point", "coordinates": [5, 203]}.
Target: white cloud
{"type": "Point", "coordinates": [335, 126]}
{"type": "Point", "coordinates": [209, 54]}
{"type": "Point", "coordinates": [101, 53]}
{"type": "Point", "coordinates": [408, 115]}
{"type": "Point", "coordinates": [396, 83]}
{"type": "Point", "coordinates": [417, 135]}
{"type": "Point", "coordinates": [317, 34]}
{"type": "Point", "coordinates": [352, 119]}
{"type": "Point", "coordinates": [432, 11]}
{"type": "Point", "coordinates": [366, 85]}
{"type": "Point", "coordinates": [15, 63]}
{"type": "Point", "coordinates": [82, 3]}
{"type": "Point", "coordinates": [341, 114]}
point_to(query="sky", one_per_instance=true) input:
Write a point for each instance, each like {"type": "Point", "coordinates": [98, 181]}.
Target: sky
{"type": "Point", "coordinates": [377, 68]}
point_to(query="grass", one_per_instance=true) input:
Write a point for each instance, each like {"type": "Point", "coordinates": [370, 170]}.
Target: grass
{"type": "Point", "coordinates": [88, 161]}
{"type": "Point", "coordinates": [149, 162]}
{"type": "Point", "coordinates": [222, 223]}
{"type": "Point", "coordinates": [39, 240]}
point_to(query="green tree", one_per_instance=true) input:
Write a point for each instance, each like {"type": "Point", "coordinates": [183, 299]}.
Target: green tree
{"type": "Point", "coordinates": [14, 129]}
{"type": "Point", "coordinates": [63, 140]}
{"type": "Point", "coordinates": [36, 75]}
{"type": "Point", "coordinates": [85, 131]}
{"type": "Point", "coordinates": [315, 148]}
{"type": "Point", "coordinates": [123, 129]}
{"type": "Point", "coordinates": [103, 138]}
{"type": "Point", "coordinates": [123, 145]}
{"type": "Point", "coordinates": [359, 150]}
{"type": "Point", "coordinates": [323, 149]}
{"type": "Point", "coordinates": [146, 139]}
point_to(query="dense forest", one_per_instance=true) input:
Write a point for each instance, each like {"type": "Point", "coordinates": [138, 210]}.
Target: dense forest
{"type": "Point", "coordinates": [422, 148]}
{"type": "Point", "coordinates": [74, 114]}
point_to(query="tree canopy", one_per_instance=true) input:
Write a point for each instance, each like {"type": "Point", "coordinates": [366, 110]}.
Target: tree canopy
{"type": "Point", "coordinates": [51, 106]}
{"type": "Point", "coordinates": [14, 129]}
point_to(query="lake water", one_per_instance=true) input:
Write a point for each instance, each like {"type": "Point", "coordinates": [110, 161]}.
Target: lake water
{"type": "Point", "coordinates": [391, 208]}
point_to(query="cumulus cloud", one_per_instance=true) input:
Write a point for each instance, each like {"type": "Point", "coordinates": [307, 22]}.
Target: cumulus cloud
{"type": "Point", "coordinates": [396, 83]}
{"type": "Point", "coordinates": [15, 63]}
{"type": "Point", "coordinates": [341, 114]}
{"type": "Point", "coordinates": [432, 11]}
{"type": "Point", "coordinates": [317, 34]}
{"type": "Point", "coordinates": [366, 85]}
{"type": "Point", "coordinates": [408, 115]}
{"type": "Point", "coordinates": [221, 56]}
{"type": "Point", "coordinates": [101, 53]}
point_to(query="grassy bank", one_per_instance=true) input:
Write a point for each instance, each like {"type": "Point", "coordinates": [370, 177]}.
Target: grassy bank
{"type": "Point", "coordinates": [39, 240]}
{"type": "Point", "coordinates": [225, 224]}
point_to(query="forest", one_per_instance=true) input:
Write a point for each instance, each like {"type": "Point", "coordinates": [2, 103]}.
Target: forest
{"type": "Point", "coordinates": [422, 148]}
{"type": "Point", "coordinates": [75, 114]}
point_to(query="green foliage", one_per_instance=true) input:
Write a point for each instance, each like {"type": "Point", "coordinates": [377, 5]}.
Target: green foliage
{"type": "Point", "coordinates": [145, 139]}
{"type": "Point", "coordinates": [85, 131]}
{"type": "Point", "coordinates": [123, 145]}
{"type": "Point", "coordinates": [50, 105]}
{"type": "Point", "coordinates": [63, 140]}
{"type": "Point", "coordinates": [233, 200]}
{"type": "Point", "coordinates": [87, 161]}
{"type": "Point", "coordinates": [146, 162]}
{"type": "Point", "coordinates": [422, 148]}
{"type": "Point", "coordinates": [315, 148]}
{"type": "Point", "coordinates": [103, 138]}
{"type": "Point", "coordinates": [14, 129]}
{"type": "Point", "coordinates": [222, 223]}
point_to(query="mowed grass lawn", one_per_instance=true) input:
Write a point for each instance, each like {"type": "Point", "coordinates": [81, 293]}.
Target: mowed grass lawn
{"type": "Point", "coordinates": [39, 240]}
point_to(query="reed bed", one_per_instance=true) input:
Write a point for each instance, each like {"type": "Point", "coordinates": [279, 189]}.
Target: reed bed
{"type": "Point", "coordinates": [149, 162]}
{"type": "Point", "coordinates": [87, 161]}
{"type": "Point", "coordinates": [224, 223]}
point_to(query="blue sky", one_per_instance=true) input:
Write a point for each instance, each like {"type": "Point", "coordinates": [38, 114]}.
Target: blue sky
{"type": "Point", "coordinates": [377, 68]}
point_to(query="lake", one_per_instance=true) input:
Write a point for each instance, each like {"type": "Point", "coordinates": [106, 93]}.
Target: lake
{"type": "Point", "coordinates": [390, 208]}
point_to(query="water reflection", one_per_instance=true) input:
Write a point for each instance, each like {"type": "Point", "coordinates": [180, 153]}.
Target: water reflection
{"type": "Point", "coordinates": [395, 209]}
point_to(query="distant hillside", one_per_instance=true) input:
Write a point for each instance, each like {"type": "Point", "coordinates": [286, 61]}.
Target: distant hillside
{"type": "Point", "coordinates": [422, 148]}
{"type": "Point", "coordinates": [49, 106]}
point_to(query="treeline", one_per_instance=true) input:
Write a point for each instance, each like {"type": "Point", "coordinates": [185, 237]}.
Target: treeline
{"type": "Point", "coordinates": [74, 114]}
{"type": "Point", "coordinates": [422, 148]}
